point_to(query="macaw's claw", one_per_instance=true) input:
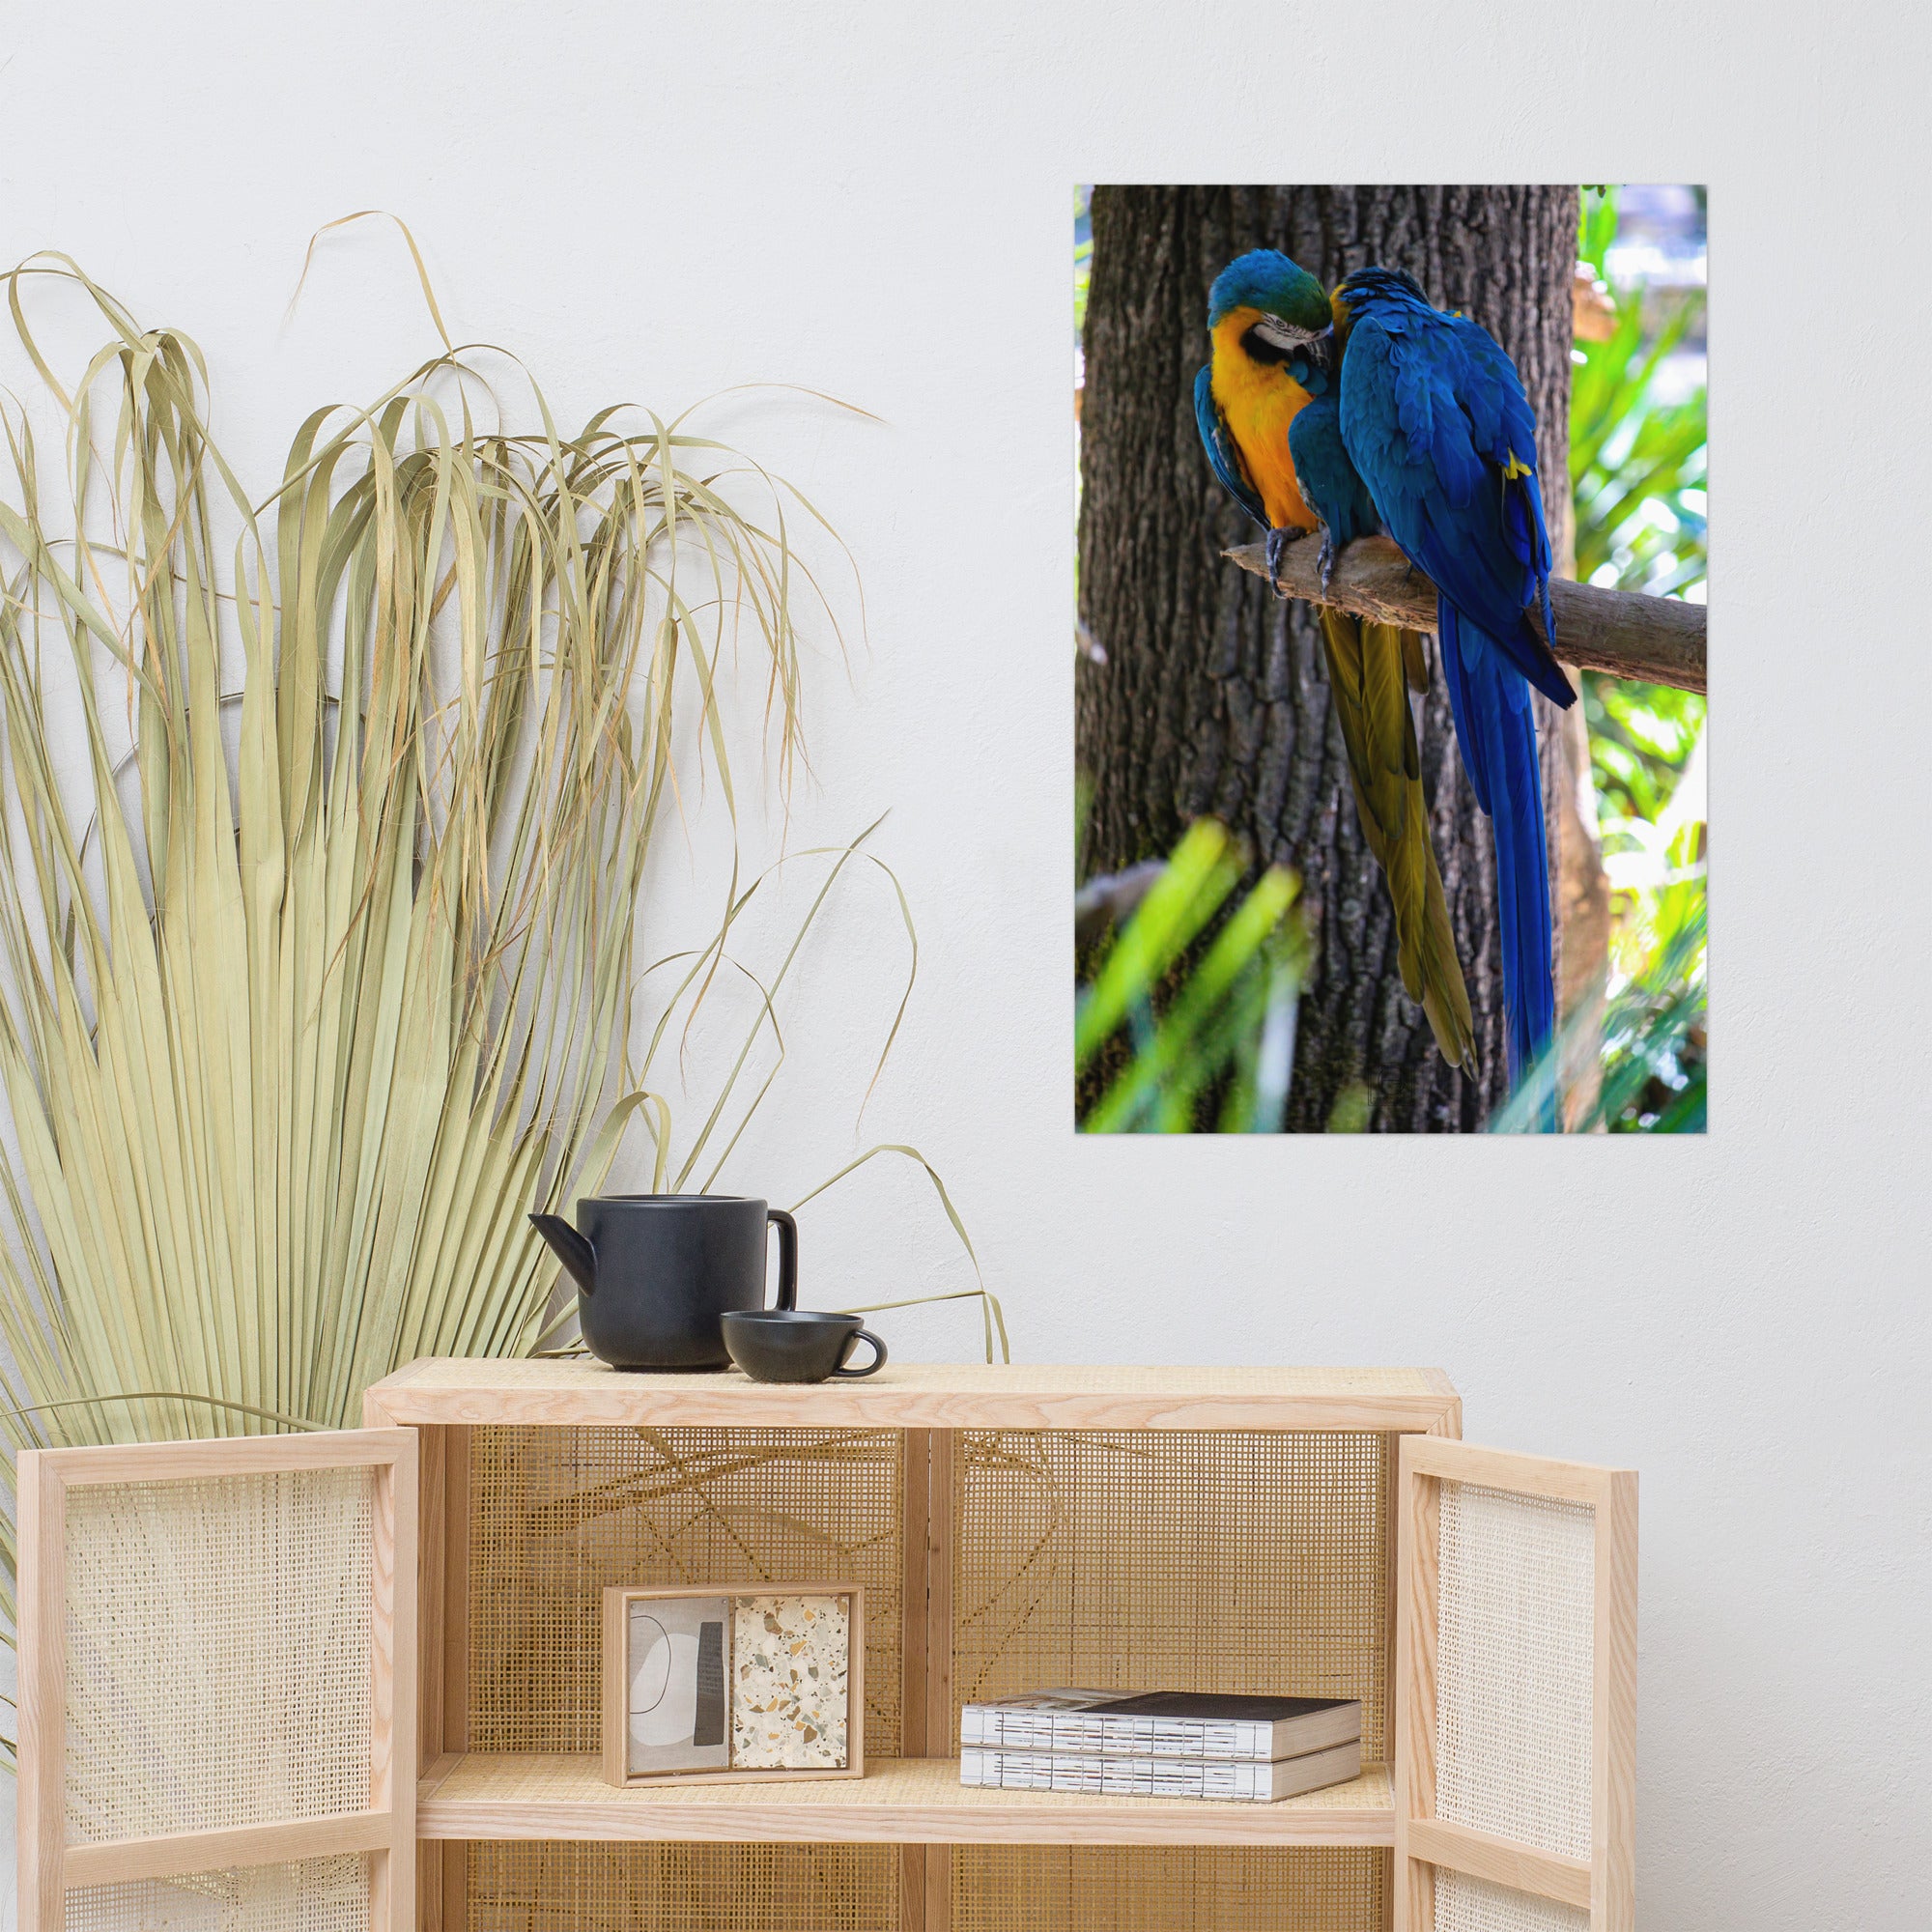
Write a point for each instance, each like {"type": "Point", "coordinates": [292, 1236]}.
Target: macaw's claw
{"type": "Point", "coordinates": [1278, 540]}
{"type": "Point", "coordinates": [1326, 560]}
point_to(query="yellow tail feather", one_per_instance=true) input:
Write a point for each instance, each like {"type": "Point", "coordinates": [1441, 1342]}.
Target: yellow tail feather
{"type": "Point", "coordinates": [1371, 670]}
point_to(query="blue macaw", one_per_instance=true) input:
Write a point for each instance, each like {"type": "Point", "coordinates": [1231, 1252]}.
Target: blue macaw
{"type": "Point", "coordinates": [1266, 315]}
{"type": "Point", "coordinates": [1269, 418]}
{"type": "Point", "coordinates": [1434, 419]}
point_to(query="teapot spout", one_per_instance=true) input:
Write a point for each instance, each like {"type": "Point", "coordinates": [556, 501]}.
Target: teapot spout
{"type": "Point", "coordinates": [570, 1248]}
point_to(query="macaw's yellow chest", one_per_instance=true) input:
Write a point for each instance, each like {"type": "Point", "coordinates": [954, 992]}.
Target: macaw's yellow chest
{"type": "Point", "coordinates": [1259, 400]}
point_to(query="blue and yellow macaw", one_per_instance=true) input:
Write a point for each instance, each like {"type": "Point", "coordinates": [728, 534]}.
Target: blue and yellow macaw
{"type": "Point", "coordinates": [1433, 417]}
{"type": "Point", "coordinates": [1269, 418]}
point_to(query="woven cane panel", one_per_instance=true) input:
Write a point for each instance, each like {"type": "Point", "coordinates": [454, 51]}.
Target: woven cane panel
{"type": "Point", "coordinates": [218, 1651]}
{"type": "Point", "coordinates": [1515, 1651]}
{"type": "Point", "coordinates": [1118, 1888]}
{"type": "Point", "coordinates": [559, 1514]}
{"type": "Point", "coordinates": [538, 1887]}
{"type": "Point", "coordinates": [1464, 1904]}
{"type": "Point", "coordinates": [314, 1895]}
{"type": "Point", "coordinates": [1145, 1560]}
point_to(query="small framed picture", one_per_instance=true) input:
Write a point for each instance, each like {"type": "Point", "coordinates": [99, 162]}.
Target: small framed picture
{"type": "Point", "coordinates": [739, 1682]}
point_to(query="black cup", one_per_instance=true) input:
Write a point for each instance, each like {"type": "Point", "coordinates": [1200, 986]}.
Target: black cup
{"type": "Point", "coordinates": [789, 1345]}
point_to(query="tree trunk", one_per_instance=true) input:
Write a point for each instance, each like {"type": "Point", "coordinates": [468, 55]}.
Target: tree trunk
{"type": "Point", "coordinates": [1212, 695]}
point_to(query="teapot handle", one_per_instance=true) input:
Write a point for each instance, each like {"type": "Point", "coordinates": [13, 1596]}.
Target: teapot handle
{"type": "Point", "coordinates": [787, 1257]}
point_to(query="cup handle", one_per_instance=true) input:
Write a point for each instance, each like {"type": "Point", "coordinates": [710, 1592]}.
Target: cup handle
{"type": "Point", "coordinates": [787, 1257]}
{"type": "Point", "coordinates": [872, 1367]}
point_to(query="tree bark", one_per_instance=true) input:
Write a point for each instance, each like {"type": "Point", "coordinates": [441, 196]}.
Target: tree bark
{"type": "Point", "coordinates": [1212, 695]}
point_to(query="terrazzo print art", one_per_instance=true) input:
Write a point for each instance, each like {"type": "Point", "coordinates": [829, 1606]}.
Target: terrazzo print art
{"type": "Point", "coordinates": [790, 1660]}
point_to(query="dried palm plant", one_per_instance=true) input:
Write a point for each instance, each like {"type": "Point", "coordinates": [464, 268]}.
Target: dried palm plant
{"type": "Point", "coordinates": [319, 973]}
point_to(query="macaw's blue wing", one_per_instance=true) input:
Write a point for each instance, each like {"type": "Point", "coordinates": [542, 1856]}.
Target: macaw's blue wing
{"type": "Point", "coordinates": [1440, 430]}
{"type": "Point", "coordinates": [1330, 483]}
{"type": "Point", "coordinates": [1504, 429]}
{"type": "Point", "coordinates": [1437, 425]}
{"type": "Point", "coordinates": [1222, 454]}
{"type": "Point", "coordinates": [1371, 668]}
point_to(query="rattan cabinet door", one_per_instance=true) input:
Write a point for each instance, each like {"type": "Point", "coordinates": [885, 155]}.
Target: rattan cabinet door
{"type": "Point", "coordinates": [218, 1685]}
{"type": "Point", "coordinates": [1516, 1692]}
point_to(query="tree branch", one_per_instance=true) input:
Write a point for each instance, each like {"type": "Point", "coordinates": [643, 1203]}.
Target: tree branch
{"type": "Point", "coordinates": [1653, 640]}
{"type": "Point", "coordinates": [1112, 898]}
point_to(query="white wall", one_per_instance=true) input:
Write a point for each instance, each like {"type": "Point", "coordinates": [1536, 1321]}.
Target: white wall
{"type": "Point", "coordinates": [875, 201]}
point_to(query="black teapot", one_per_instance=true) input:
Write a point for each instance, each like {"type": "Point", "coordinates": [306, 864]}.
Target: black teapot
{"type": "Point", "coordinates": [655, 1272]}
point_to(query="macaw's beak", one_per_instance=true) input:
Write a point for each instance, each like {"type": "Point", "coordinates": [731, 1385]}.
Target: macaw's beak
{"type": "Point", "coordinates": [1320, 350]}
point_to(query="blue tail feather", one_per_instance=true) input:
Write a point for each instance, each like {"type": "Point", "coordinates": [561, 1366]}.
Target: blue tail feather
{"type": "Point", "coordinates": [1496, 727]}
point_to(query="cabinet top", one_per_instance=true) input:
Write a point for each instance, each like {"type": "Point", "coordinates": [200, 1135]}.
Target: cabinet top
{"type": "Point", "coordinates": [917, 1395]}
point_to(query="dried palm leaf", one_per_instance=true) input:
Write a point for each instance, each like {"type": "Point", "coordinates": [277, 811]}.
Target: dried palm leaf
{"type": "Point", "coordinates": [319, 973]}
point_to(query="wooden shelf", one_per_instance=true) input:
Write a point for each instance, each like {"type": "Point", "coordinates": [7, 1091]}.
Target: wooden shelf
{"type": "Point", "coordinates": [580, 1391]}
{"type": "Point", "coordinates": [898, 1802]}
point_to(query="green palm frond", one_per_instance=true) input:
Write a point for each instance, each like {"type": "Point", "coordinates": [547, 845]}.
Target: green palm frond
{"type": "Point", "coordinates": [1178, 1032]}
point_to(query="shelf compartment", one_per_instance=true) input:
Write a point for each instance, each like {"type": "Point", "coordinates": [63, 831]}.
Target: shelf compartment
{"type": "Point", "coordinates": [555, 1516]}
{"type": "Point", "coordinates": [1185, 1559]}
{"type": "Point", "coordinates": [899, 1801]}
{"type": "Point", "coordinates": [1161, 1888]}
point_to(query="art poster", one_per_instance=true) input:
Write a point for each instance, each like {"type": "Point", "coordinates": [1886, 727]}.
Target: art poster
{"type": "Point", "coordinates": [1391, 667]}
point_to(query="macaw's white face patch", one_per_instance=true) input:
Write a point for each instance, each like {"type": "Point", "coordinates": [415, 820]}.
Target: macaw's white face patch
{"type": "Point", "coordinates": [790, 1681]}
{"type": "Point", "coordinates": [1282, 334]}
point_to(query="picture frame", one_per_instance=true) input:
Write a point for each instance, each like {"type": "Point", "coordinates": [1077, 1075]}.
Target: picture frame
{"type": "Point", "coordinates": [736, 1680]}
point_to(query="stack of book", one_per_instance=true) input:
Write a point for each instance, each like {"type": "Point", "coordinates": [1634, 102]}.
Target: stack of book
{"type": "Point", "coordinates": [1164, 1744]}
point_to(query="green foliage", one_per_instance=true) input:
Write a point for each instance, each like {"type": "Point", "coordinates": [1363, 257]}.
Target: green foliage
{"type": "Point", "coordinates": [1652, 1029]}
{"type": "Point", "coordinates": [1640, 736]}
{"type": "Point", "coordinates": [1655, 1031]}
{"type": "Point", "coordinates": [1597, 225]}
{"type": "Point", "coordinates": [1083, 255]}
{"type": "Point", "coordinates": [1636, 464]}
{"type": "Point", "coordinates": [1216, 1034]}
{"type": "Point", "coordinates": [1637, 470]}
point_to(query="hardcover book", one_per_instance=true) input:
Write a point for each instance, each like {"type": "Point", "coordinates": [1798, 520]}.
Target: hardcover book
{"type": "Point", "coordinates": [1230, 1780]}
{"type": "Point", "coordinates": [1163, 1723]}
